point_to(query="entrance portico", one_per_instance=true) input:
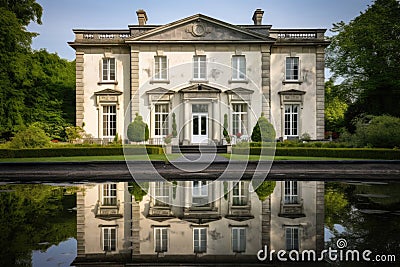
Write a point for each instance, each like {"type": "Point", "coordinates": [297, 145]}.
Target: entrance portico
{"type": "Point", "coordinates": [201, 116]}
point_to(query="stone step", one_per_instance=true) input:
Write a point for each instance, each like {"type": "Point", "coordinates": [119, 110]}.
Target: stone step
{"type": "Point", "coordinates": [197, 149]}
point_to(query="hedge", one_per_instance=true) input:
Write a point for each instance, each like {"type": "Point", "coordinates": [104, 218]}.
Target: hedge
{"type": "Point", "coordinates": [361, 153]}
{"type": "Point", "coordinates": [77, 151]}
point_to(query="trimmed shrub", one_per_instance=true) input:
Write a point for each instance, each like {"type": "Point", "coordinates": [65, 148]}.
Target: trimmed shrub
{"type": "Point", "coordinates": [31, 137]}
{"type": "Point", "coordinates": [137, 191]}
{"type": "Point", "coordinates": [265, 189]}
{"type": "Point", "coordinates": [138, 130]}
{"type": "Point", "coordinates": [263, 131]}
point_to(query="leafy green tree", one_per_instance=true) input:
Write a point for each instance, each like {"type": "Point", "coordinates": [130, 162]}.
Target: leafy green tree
{"type": "Point", "coordinates": [137, 130]}
{"type": "Point", "coordinates": [263, 131]}
{"type": "Point", "coordinates": [365, 54]}
{"type": "Point", "coordinates": [31, 137]}
{"type": "Point", "coordinates": [335, 107]}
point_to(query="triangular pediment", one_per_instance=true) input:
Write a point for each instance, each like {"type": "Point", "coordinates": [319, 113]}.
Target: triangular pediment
{"type": "Point", "coordinates": [197, 88]}
{"type": "Point", "coordinates": [240, 91]}
{"type": "Point", "coordinates": [200, 28]}
{"type": "Point", "coordinates": [292, 92]}
{"type": "Point", "coordinates": [159, 91]}
{"type": "Point", "coordinates": [108, 92]}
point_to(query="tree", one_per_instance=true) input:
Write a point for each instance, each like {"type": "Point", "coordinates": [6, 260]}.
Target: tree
{"type": "Point", "coordinates": [31, 137]}
{"type": "Point", "coordinates": [365, 54]}
{"type": "Point", "coordinates": [335, 107]}
{"type": "Point", "coordinates": [263, 131]}
{"type": "Point", "coordinates": [137, 130]}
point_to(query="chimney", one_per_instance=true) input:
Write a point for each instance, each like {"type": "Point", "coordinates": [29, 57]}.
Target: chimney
{"type": "Point", "coordinates": [257, 16]}
{"type": "Point", "coordinates": [142, 17]}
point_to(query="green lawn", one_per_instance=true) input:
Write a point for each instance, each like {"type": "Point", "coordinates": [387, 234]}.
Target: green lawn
{"type": "Point", "coordinates": [159, 157]}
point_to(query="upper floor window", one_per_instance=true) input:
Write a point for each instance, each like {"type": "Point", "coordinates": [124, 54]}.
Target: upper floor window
{"type": "Point", "coordinates": [109, 238]}
{"type": "Point", "coordinates": [160, 68]}
{"type": "Point", "coordinates": [292, 238]}
{"type": "Point", "coordinates": [109, 69]}
{"type": "Point", "coordinates": [199, 68]}
{"type": "Point", "coordinates": [238, 67]}
{"type": "Point", "coordinates": [160, 239]}
{"type": "Point", "coordinates": [109, 194]}
{"type": "Point", "coordinates": [292, 69]}
{"type": "Point", "coordinates": [199, 240]}
{"type": "Point", "coordinates": [239, 239]}
{"type": "Point", "coordinates": [291, 192]}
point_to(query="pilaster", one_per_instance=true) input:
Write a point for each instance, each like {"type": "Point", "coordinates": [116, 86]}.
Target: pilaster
{"type": "Point", "coordinates": [135, 227]}
{"type": "Point", "coordinates": [320, 93]}
{"type": "Point", "coordinates": [80, 221]}
{"type": "Point", "coordinates": [265, 81]}
{"type": "Point", "coordinates": [79, 88]}
{"type": "Point", "coordinates": [134, 83]}
{"type": "Point", "coordinates": [266, 222]}
{"type": "Point", "coordinates": [320, 216]}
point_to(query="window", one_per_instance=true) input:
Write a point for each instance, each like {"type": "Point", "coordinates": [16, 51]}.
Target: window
{"type": "Point", "coordinates": [160, 239]}
{"type": "Point", "coordinates": [200, 189]}
{"type": "Point", "coordinates": [161, 193]}
{"type": "Point", "coordinates": [109, 194]}
{"type": "Point", "coordinates": [109, 121]}
{"type": "Point", "coordinates": [239, 195]}
{"type": "Point", "coordinates": [160, 68]}
{"type": "Point", "coordinates": [291, 192]}
{"type": "Point", "coordinates": [109, 238]}
{"type": "Point", "coordinates": [238, 68]}
{"type": "Point", "coordinates": [292, 238]}
{"type": "Point", "coordinates": [108, 69]}
{"type": "Point", "coordinates": [239, 119]}
{"type": "Point", "coordinates": [199, 240]}
{"type": "Point", "coordinates": [199, 68]}
{"type": "Point", "coordinates": [239, 239]}
{"type": "Point", "coordinates": [291, 120]}
{"type": "Point", "coordinates": [161, 119]}
{"type": "Point", "coordinates": [292, 68]}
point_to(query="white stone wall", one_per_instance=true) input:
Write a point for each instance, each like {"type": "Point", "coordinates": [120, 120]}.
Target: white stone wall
{"type": "Point", "coordinates": [308, 85]}
{"type": "Point", "coordinates": [92, 84]}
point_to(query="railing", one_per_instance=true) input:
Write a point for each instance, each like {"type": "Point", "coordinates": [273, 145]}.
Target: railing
{"type": "Point", "coordinates": [298, 34]}
{"type": "Point", "coordinates": [99, 35]}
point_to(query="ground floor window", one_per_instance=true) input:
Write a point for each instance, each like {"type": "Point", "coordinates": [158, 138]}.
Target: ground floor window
{"type": "Point", "coordinates": [160, 239]}
{"type": "Point", "coordinates": [291, 120]}
{"type": "Point", "coordinates": [109, 194]}
{"type": "Point", "coordinates": [291, 192]}
{"type": "Point", "coordinates": [292, 238]}
{"type": "Point", "coordinates": [109, 239]}
{"type": "Point", "coordinates": [199, 240]}
{"type": "Point", "coordinates": [161, 126]}
{"type": "Point", "coordinates": [239, 119]}
{"type": "Point", "coordinates": [109, 121]}
{"type": "Point", "coordinates": [239, 239]}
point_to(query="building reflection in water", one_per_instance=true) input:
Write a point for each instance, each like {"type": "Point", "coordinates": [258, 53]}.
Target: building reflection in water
{"type": "Point", "coordinates": [186, 221]}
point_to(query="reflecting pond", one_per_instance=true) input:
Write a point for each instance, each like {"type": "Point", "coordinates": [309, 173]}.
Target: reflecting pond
{"type": "Point", "coordinates": [202, 222]}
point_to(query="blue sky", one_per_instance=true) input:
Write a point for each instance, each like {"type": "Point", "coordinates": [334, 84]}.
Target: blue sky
{"type": "Point", "coordinates": [61, 16]}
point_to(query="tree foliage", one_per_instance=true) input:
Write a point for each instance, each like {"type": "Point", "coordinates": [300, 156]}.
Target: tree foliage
{"type": "Point", "coordinates": [31, 137]}
{"type": "Point", "coordinates": [35, 86]}
{"type": "Point", "coordinates": [265, 189]}
{"type": "Point", "coordinates": [263, 131]}
{"type": "Point", "coordinates": [365, 54]}
{"type": "Point", "coordinates": [335, 107]}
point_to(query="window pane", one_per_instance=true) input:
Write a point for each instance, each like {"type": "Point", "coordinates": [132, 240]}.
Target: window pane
{"type": "Point", "coordinates": [203, 125]}
{"type": "Point", "coordinates": [161, 123]}
{"type": "Point", "coordinates": [195, 125]}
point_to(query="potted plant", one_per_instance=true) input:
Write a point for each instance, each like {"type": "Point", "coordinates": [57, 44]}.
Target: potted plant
{"type": "Point", "coordinates": [168, 146]}
{"type": "Point", "coordinates": [175, 140]}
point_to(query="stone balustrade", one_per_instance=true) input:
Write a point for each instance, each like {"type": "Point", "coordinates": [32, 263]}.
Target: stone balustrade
{"type": "Point", "coordinates": [298, 34]}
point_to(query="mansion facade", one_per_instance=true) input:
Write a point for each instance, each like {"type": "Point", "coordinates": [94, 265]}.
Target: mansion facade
{"type": "Point", "coordinates": [198, 74]}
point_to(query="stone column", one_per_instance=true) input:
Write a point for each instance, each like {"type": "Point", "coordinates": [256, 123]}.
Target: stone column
{"type": "Point", "coordinates": [186, 123]}
{"type": "Point", "coordinates": [134, 83]}
{"type": "Point", "coordinates": [266, 222]}
{"type": "Point", "coordinates": [320, 93]}
{"type": "Point", "coordinates": [216, 131]}
{"type": "Point", "coordinates": [265, 81]}
{"type": "Point", "coordinates": [79, 88]}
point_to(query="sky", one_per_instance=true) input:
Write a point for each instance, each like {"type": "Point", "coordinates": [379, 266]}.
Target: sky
{"type": "Point", "coordinates": [61, 16]}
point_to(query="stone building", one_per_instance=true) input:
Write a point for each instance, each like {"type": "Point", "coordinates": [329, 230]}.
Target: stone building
{"type": "Point", "coordinates": [205, 71]}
